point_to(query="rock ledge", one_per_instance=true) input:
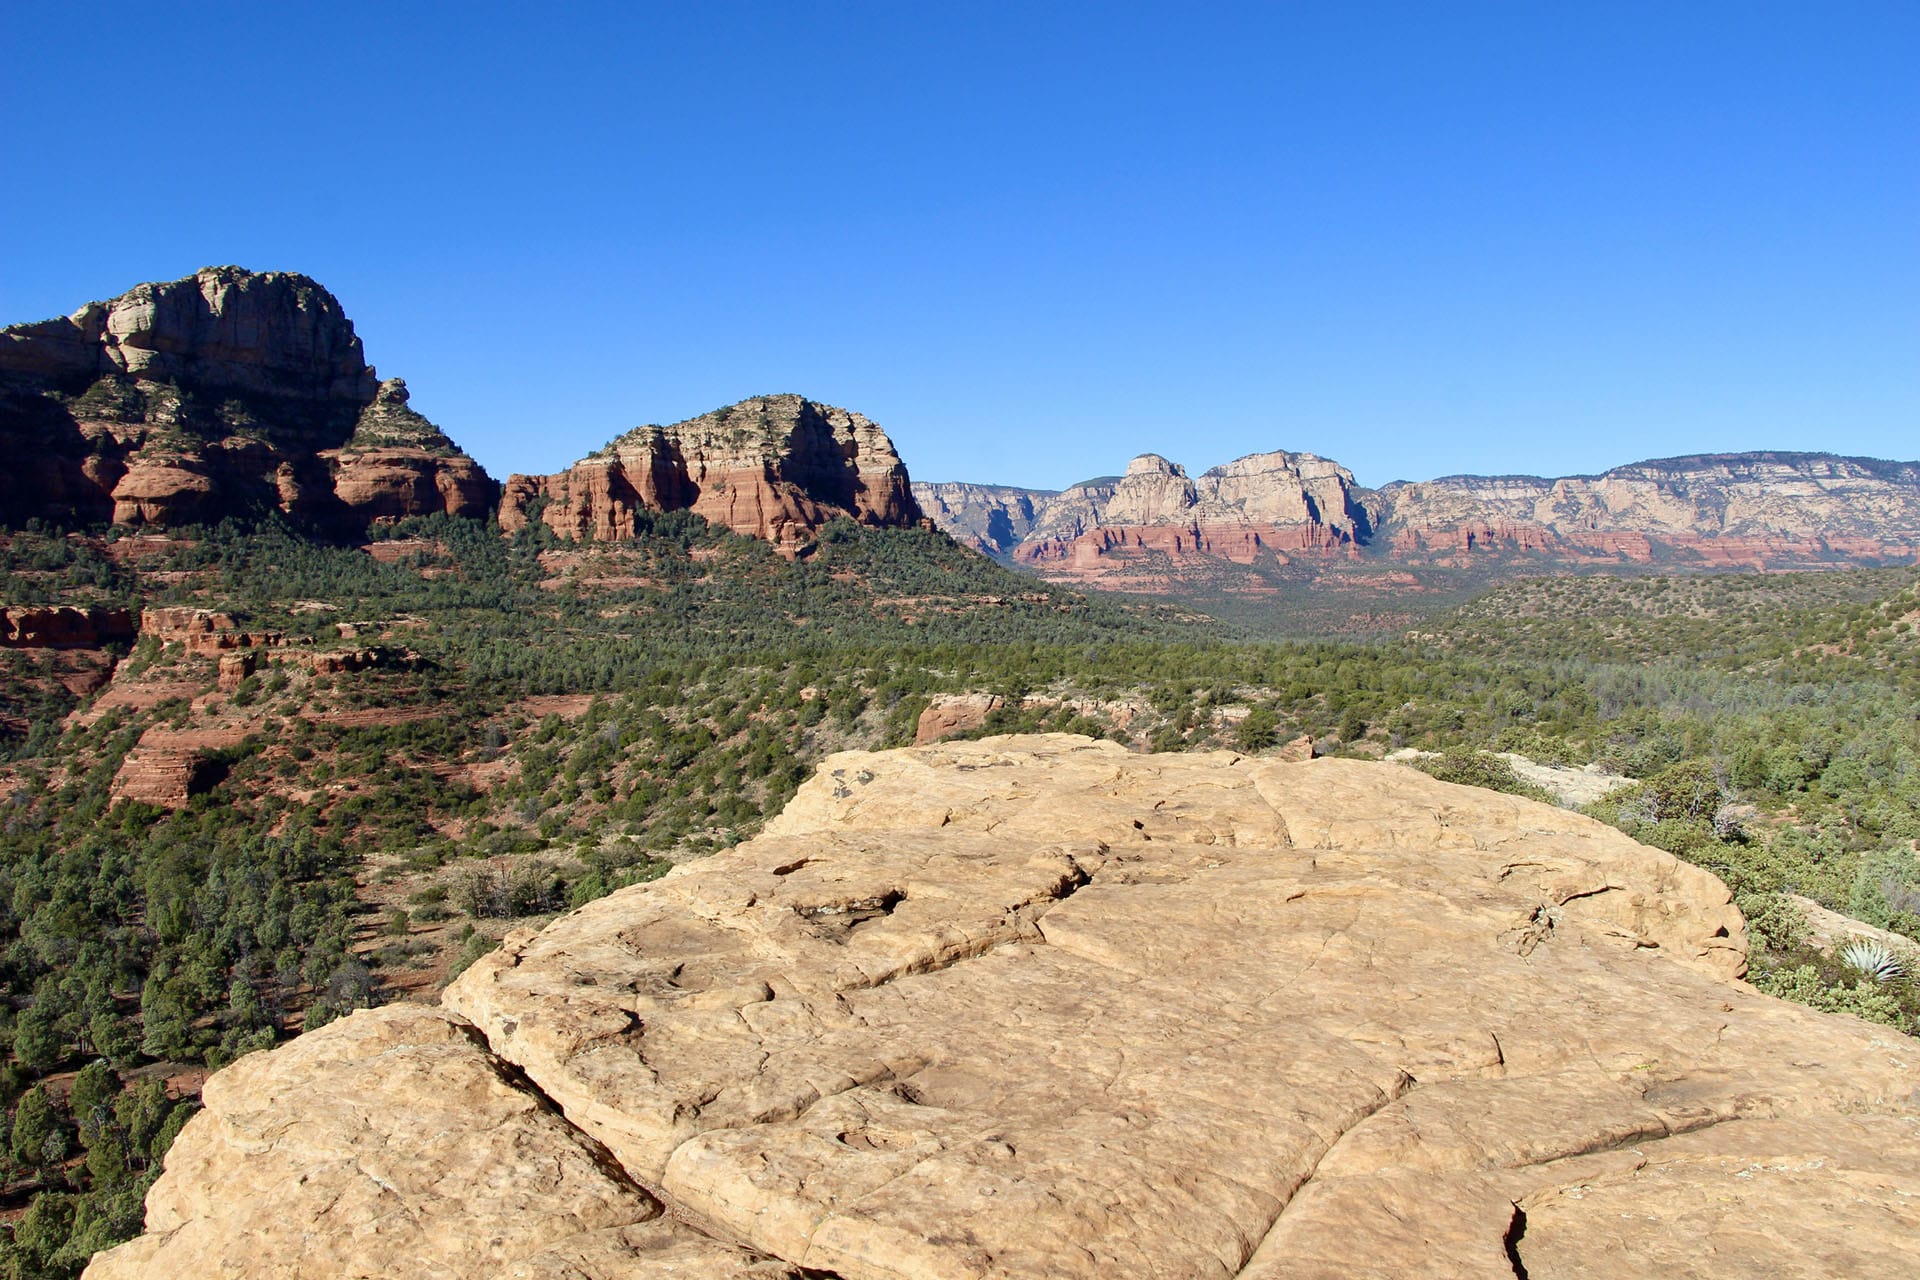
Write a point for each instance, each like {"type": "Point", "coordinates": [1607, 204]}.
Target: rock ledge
{"type": "Point", "coordinates": [1035, 1006]}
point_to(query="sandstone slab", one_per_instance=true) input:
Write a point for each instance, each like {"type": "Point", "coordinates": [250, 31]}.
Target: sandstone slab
{"type": "Point", "coordinates": [392, 1144]}
{"type": "Point", "coordinates": [1037, 1006]}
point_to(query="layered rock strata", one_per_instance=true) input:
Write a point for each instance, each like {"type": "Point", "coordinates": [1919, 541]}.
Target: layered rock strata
{"type": "Point", "coordinates": [229, 393]}
{"type": "Point", "coordinates": [1037, 1007]}
{"type": "Point", "coordinates": [773, 467]}
{"type": "Point", "coordinates": [64, 627]}
{"type": "Point", "coordinates": [1753, 511]}
{"type": "Point", "coordinates": [202, 631]}
{"type": "Point", "coordinates": [1269, 505]}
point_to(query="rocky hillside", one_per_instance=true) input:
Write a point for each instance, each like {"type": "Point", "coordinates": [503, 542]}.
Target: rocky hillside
{"type": "Point", "coordinates": [227, 393]}
{"type": "Point", "coordinates": [992, 518]}
{"type": "Point", "coordinates": [1043, 1007]}
{"type": "Point", "coordinates": [233, 394]}
{"type": "Point", "coordinates": [1752, 510]}
{"type": "Point", "coordinates": [1156, 527]}
{"type": "Point", "coordinates": [773, 467]}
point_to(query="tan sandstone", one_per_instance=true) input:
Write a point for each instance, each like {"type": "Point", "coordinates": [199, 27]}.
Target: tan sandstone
{"type": "Point", "coordinates": [1036, 1006]}
{"type": "Point", "coordinates": [393, 1144]}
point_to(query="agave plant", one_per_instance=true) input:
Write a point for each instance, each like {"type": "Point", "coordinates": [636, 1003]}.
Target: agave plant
{"type": "Point", "coordinates": [1873, 959]}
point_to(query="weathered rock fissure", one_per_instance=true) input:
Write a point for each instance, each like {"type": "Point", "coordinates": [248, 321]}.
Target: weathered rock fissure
{"type": "Point", "coordinates": [1510, 1241]}
{"type": "Point", "coordinates": [1052, 1047]}
{"type": "Point", "coordinates": [1289, 1195]}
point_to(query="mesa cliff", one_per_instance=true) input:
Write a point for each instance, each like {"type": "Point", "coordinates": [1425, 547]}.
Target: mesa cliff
{"type": "Point", "coordinates": [1742, 510]}
{"type": "Point", "coordinates": [233, 393]}
{"type": "Point", "coordinates": [227, 393]}
{"type": "Point", "coordinates": [1037, 1006]}
{"type": "Point", "coordinates": [1751, 510]}
{"type": "Point", "coordinates": [772, 467]}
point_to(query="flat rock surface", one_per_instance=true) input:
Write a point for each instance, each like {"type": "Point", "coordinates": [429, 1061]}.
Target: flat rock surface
{"type": "Point", "coordinates": [391, 1143]}
{"type": "Point", "coordinates": [1036, 1006]}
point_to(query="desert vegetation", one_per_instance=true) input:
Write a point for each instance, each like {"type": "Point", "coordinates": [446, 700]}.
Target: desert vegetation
{"type": "Point", "coordinates": [451, 732]}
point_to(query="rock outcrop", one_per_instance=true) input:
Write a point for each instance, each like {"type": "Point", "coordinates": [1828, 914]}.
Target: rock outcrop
{"type": "Point", "coordinates": [1753, 511]}
{"type": "Point", "coordinates": [1747, 510]}
{"type": "Point", "coordinates": [203, 631]}
{"type": "Point", "coordinates": [1038, 1007]}
{"type": "Point", "coordinates": [168, 767]}
{"type": "Point", "coordinates": [1267, 505]}
{"type": "Point", "coordinates": [64, 627]}
{"type": "Point", "coordinates": [773, 467]}
{"type": "Point", "coordinates": [227, 393]}
{"type": "Point", "coordinates": [990, 518]}
{"type": "Point", "coordinates": [952, 714]}
{"type": "Point", "coordinates": [394, 1145]}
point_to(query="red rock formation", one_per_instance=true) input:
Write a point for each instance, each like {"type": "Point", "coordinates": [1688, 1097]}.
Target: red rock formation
{"type": "Point", "coordinates": [64, 627]}
{"type": "Point", "coordinates": [952, 714]}
{"type": "Point", "coordinates": [774, 467]}
{"type": "Point", "coordinates": [203, 631]}
{"type": "Point", "coordinates": [228, 393]}
{"type": "Point", "coordinates": [398, 464]}
{"type": "Point", "coordinates": [388, 484]}
{"type": "Point", "coordinates": [330, 662]}
{"type": "Point", "coordinates": [236, 667]}
{"type": "Point", "coordinates": [1156, 530]}
{"type": "Point", "coordinates": [167, 767]}
{"type": "Point", "coordinates": [1758, 510]}
{"type": "Point", "coordinates": [1236, 544]}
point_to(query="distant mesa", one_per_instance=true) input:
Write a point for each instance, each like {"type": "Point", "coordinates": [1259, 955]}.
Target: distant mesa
{"type": "Point", "coordinates": [773, 467]}
{"type": "Point", "coordinates": [1265, 505]}
{"type": "Point", "coordinates": [227, 393]}
{"type": "Point", "coordinates": [1748, 510]}
{"type": "Point", "coordinates": [233, 393]}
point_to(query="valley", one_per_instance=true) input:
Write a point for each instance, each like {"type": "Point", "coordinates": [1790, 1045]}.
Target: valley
{"type": "Point", "coordinates": [302, 714]}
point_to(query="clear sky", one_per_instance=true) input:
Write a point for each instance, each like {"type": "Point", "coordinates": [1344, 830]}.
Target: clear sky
{"type": "Point", "coordinates": [1030, 240]}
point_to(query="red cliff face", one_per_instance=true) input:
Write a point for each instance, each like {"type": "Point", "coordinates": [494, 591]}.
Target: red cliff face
{"type": "Point", "coordinates": [1241, 544]}
{"type": "Point", "coordinates": [1755, 511]}
{"type": "Point", "coordinates": [1130, 532]}
{"type": "Point", "coordinates": [228, 393]}
{"type": "Point", "coordinates": [64, 627]}
{"type": "Point", "coordinates": [1231, 526]}
{"type": "Point", "coordinates": [774, 467]}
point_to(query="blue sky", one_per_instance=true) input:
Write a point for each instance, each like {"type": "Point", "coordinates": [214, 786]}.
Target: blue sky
{"type": "Point", "coordinates": [1030, 240]}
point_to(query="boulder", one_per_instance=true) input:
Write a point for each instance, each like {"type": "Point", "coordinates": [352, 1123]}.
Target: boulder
{"type": "Point", "coordinates": [1036, 1006]}
{"type": "Point", "coordinates": [949, 715]}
